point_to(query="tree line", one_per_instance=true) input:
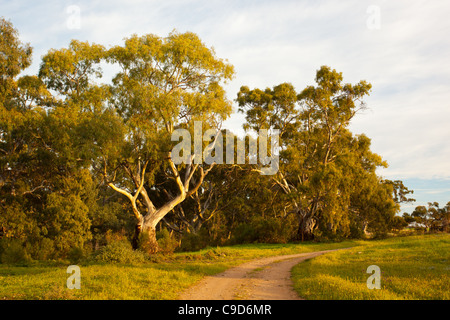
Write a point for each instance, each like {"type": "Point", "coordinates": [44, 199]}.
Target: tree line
{"type": "Point", "coordinates": [84, 158]}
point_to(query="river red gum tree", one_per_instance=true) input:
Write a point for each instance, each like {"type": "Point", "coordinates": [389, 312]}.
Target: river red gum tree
{"type": "Point", "coordinates": [162, 84]}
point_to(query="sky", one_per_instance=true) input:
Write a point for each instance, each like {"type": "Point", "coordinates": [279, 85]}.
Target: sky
{"type": "Point", "coordinates": [401, 47]}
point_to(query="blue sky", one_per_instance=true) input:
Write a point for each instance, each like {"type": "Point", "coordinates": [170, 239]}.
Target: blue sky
{"type": "Point", "coordinates": [401, 47]}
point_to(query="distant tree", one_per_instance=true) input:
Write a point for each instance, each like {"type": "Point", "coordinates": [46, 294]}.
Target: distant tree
{"type": "Point", "coordinates": [431, 217]}
{"type": "Point", "coordinates": [408, 218]}
{"type": "Point", "coordinates": [421, 216]}
{"type": "Point", "coordinates": [398, 223]}
{"type": "Point", "coordinates": [446, 217]}
{"type": "Point", "coordinates": [439, 217]}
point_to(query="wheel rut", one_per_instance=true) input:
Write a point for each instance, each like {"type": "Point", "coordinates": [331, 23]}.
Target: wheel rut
{"type": "Point", "coordinates": [260, 279]}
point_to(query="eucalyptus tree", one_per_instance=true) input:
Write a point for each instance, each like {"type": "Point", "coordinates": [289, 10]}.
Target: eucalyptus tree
{"type": "Point", "coordinates": [318, 152]}
{"type": "Point", "coordinates": [24, 174]}
{"type": "Point", "coordinates": [231, 195]}
{"type": "Point", "coordinates": [39, 169]}
{"type": "Point", "coordinates": [122, 130]}
{"type": "Point", "coordinates": [14, 58]}
{"type": "Point", "coordinates": [432, 217]}
{"type": "Point", "coordinates": [163, 84]}
{"type": "Point", "coordinates": [14, 145]}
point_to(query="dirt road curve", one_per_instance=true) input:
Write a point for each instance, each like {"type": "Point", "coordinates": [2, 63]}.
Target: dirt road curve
{"type": "Point", "coordinates": [262, 279]}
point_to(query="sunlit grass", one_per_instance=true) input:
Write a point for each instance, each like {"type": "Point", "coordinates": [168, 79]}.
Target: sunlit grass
{"type": "Point", "coordinates": [411, 268]}
{"type": "Point", "coordinates": [154, 280]}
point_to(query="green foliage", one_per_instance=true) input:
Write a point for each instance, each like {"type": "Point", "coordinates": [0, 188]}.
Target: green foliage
{"type": "Point", "coordinates": [69, 225]}
{"type": "Point", "coordinates": [15, 57]}
{"type": "Point", "coordinates": [120, 251]}
{"type": "Point", "coordinates": [109, 218]}
{"type": "Point", "coordinates": [41, 249]}
{"type": "Point", "coordinates": [430, 218]}
{"type": "Point", "coordinates": [194, 241]}
{"type": "Point", "coordinates": [265, 230]}
{"type": "Point", "coordinates": [82, 160]}
{"type": "Point", "coordinates": [12, 251]}
{"type": "Point", "coordinates": [325, 171]}
{"type": "Point", "coordinates": [166, 242]}
{"type": "Point", "coordinates": [68, 70]}
{"type": "Point", "coordinates": [76, 255]}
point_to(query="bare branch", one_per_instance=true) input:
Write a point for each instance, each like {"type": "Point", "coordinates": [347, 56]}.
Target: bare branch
{"type": "Point", "coordinates": [177, 175]}
{"type": "Point", "coordinates": [42, 185]}
{"type": "Point", "coordinates": [122, 191]}
{"type": "Point", "coordinates": [142, 181]}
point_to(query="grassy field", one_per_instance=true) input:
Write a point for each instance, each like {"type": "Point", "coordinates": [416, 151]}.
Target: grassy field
{"type": "Point", "coordinates": [153, 280]}
{"type": "Point", "coordinates": [412, 268]}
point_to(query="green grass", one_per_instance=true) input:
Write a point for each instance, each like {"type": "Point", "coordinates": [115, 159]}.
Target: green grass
{"type": "Point", "coordinates": [412, 268]}
{"type": "Point", "coordinates": [154, 280]}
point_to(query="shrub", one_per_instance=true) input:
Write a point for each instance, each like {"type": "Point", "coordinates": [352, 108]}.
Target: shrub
{"type": "Point", "coordinates": [69, 223]}
{"type": "Point", "coordinates": [120, 252]}
{"type": "Point", "coordinates": [356, 231]}
{"type": "Point", "coordinates": [167, 244]}
{"type": "Point", "coordinates": [265, 230]}
{"type": "Point", "coordinates": [75, 255]}
{"type": "Point", "coordinates": [13, 252]}
{"type": "Point", "coordinates": [113, 236]}
{"type": "Point", "coordinates": [41, 249]}
{"type": "Point", "coordinates": [194, 241]}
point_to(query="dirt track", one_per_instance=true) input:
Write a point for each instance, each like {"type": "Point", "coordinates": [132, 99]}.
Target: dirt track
{"type": "Point", "coordinates": [262, 279]}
